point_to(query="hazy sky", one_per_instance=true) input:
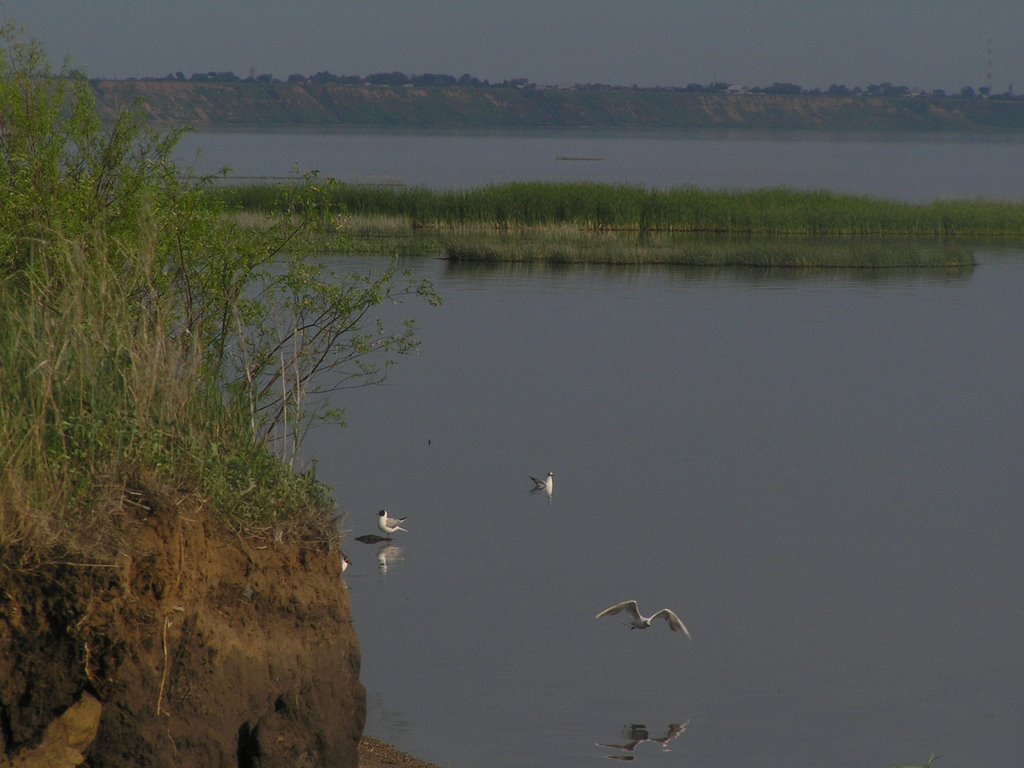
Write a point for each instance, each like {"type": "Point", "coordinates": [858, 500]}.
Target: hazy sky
{"type": "Point", "coordinates": [814, 43]}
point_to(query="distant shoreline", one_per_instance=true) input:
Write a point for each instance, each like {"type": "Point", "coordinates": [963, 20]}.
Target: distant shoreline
{"type": "Point", "coordinates": [605, 133]}
{"type": "Point", "coordinates": [256, 106]}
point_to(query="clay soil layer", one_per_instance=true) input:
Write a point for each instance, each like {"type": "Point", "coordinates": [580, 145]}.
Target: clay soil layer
{"type": "Point", "coordinates": [195, 647]}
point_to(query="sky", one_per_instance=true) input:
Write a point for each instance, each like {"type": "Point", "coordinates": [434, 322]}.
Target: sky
{"type": "Point", "coordinates": [929, 44]}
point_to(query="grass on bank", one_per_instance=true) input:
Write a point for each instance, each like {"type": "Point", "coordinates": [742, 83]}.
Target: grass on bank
{"type": "Point", "coordinates": [101, 399]}
{"type": "Point", "coordinates": [148, 342]}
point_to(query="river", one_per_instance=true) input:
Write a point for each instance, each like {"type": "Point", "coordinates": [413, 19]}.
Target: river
{"type": "Point", "coordinates": [913, 169]}
{"type": "Point", "coordinates": [822, 474]}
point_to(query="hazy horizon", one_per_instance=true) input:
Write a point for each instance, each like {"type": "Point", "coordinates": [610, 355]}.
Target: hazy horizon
{"type": "Point", "coordinates": [931, 44]}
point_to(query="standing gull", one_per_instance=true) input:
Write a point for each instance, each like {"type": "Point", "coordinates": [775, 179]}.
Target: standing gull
{"type": "Point", "coordinates": [389, 524]}
{"type": "Point", "coordinates": [643, 622]}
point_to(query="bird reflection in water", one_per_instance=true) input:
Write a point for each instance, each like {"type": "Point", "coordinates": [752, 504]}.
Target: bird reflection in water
{"type": "Point", "coordinates": [387, 555]}
{"type": "Point", "coordinates": [637, 733]}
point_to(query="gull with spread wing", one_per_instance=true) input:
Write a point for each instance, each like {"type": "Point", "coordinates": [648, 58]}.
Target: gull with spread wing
{"type": "Point", "coordinates": [643, 622]}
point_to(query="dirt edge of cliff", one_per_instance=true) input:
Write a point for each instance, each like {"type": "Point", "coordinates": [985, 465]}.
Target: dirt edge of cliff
{"type": "Point", "coordinates": [196, 647]}
{"type": "Point", "coordinates": [374, 753]}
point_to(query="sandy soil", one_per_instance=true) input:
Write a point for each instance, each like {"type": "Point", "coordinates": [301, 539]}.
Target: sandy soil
{"type": "Point", "coordinates": [377, 754]}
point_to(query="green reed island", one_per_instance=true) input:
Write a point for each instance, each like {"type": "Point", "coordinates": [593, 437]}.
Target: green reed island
{"type": "Point", "coordinates": [600, 223]}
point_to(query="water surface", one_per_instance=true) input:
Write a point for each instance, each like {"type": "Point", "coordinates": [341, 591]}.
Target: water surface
{"type": "Point", "coordinates": [821, 473]}
{"type": "Point", "coordinates": [917, 169]}
{"type": "Point", "coordinates": [822, 476]}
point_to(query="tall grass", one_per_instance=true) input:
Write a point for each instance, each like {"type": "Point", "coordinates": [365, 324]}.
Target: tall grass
{"type": "Point", "coordinates": [104, 394]}
{"type": "Point", "coordinates": [774, 211]}
{"type": "Point", "coordinates": [147, 341]}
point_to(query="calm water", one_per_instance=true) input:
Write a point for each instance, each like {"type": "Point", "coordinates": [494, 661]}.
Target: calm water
{"type": "Point", "coordinates": [914, 170]}
{"type": "Point", "coordinates": [822, 474]}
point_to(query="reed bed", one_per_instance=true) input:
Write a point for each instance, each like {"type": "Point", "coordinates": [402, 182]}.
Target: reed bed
{"type": "Point", "coordinates": [570, 244]}
{"type": "Point", "coordinates": [602, 247]}
{"type": "Point", "coordinates": [772, 211]}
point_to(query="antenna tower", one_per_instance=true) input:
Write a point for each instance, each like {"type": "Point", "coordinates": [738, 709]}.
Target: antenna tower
{"type": "Point", "coordinates": [988, 70]}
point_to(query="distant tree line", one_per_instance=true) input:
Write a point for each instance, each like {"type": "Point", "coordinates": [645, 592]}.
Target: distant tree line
{"type": "Point", "coordinates": [426, 80]}
{"type": "Point", "coordinates": [431, 80]}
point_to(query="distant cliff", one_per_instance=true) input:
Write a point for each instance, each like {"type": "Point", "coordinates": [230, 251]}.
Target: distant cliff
{"type": "Point", "coordinates": [248, 105]}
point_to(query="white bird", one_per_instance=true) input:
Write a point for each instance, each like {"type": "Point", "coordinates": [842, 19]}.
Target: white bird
{"type": "Point", "coordinates": [389, 524]}
{"type": "Point", "coordinates": [547, 484]}
{"type": "Point", "coordinates": [675, 730]}
{"type": "Point", "coordinates": [345, 562]}
{"type": "Point", "coordinates": [643, 622]}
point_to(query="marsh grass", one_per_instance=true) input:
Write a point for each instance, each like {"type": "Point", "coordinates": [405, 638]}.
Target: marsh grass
{"type": "Point", "coordinates": [569, 246]}
{"type": "Point", "coordinates": [618, 224]}
{"type": "Point", "coordinates": [385, 234]}
{"type": "Point", "coordinates": [375, 225]}
{"type": "Point", "coordinates": [773, 211]}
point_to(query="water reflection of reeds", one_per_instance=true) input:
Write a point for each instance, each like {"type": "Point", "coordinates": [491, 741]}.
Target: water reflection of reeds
{"type": "Point", "coordinates": [490, 269]}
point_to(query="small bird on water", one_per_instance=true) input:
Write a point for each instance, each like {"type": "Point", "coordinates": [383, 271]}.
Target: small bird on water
{"type": "Point", "coordinates": [643, 622]}
{"type": "Point", "coordinates": [389, 524]}
{"type": "Point", "coordinates": [547, 484]}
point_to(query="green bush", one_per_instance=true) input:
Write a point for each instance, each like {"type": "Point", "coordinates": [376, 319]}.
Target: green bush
{"type": "Point", "coordinates": [145, 339]}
